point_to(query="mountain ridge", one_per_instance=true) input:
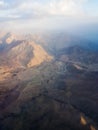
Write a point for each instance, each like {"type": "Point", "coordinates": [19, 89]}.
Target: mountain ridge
{"type": "Point", "coordinates": [24, 53]}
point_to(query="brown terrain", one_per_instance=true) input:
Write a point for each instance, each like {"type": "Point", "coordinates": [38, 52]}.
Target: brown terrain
{"type": "Point", "coordinates": [42, 90]}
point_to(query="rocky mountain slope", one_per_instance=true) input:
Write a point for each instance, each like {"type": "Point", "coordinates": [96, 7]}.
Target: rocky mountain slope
{"type": "Point", "coordinates": [22, 53]}
{"type": "Point", "coordinates": [41, 91]}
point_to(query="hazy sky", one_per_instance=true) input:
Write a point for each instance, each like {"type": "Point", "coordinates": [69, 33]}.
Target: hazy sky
{"type": "Point", "coordinates": [47, 14]}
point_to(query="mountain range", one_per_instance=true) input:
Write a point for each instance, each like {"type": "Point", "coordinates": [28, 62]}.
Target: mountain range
{"type": "Point", "coordinates": [48, 81]}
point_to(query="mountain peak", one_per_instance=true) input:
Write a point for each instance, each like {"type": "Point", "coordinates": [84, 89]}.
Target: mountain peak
{"type": "Point", "coordinates": [25, 54]}
{"type": "Point", "coordinates": [9, 38]}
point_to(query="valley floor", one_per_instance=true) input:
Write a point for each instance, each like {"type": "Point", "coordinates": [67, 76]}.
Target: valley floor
{"type": "Point", "coordinates": [52, 96]}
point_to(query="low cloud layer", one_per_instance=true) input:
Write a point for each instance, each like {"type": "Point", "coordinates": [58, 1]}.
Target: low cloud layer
{"type": "Point", "coordinates": [13, 13]}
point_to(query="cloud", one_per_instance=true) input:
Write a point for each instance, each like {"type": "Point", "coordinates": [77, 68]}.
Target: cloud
{"type": "Point", "coordinates": [3, 4]}
{"type": "Point", "coordinates": [53, 7]}
{"type": "Point", "coordinates": [37, 8]}
{"type": "Point", "coordinates": [42, 13]}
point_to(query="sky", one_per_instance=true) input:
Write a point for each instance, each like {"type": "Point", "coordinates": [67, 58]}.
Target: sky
{"type": "Point", "coordinates": [28, 15]}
